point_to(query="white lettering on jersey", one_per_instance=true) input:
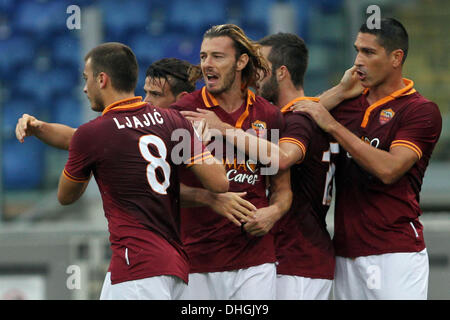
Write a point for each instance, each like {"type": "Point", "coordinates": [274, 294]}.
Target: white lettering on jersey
{"type": "Point", "coordinates": [140, 121]}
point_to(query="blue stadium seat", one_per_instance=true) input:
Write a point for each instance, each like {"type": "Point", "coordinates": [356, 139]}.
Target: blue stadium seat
{"type": "Point", "coordinates": [122, 17]}
{"type": "Point", "coordinates": [44, 85]}
{"type": "Point", "coordinates": [23, 164]}
{"type": "Point", "coordinates": [194, 16]}
{"type": "Point", "coordinates": [14, 52]}
{"type": "Point", "coordinates": [147, 48]}
{"type": "Point", "coordinates": [13, 109]}
{"type": "Point", "coordinates": [41, 18]}
{"type": "Point", "coordinates": [182, 47]}
{"type": "Point", "coordinates": [255, 33]}
{"type": "Point", "coordinates": [66, 50]}
{"type": "Point", "coordinates": [256, 12]}
{"type": "Point", "coordinates": [66, 110]}
{"type": "Point", "coordinates": [328, 6]}
{"type": "Point", "coordinates": [7, 6]}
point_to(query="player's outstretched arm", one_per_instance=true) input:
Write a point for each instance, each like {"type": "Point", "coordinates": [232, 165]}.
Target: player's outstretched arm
{"type": "Point", "coordinates": [231, 205]}
{"type": "Point", "coordinates": [54, 134]}
{"type": "Point", "coordinates": [280, 203]}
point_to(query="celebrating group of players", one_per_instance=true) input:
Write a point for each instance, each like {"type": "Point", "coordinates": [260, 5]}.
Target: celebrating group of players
{"type": "Point", "coordinates": [217, 228]}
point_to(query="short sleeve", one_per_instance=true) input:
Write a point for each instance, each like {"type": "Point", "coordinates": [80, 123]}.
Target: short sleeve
{"type": "Point", "coordinates": [420, 129]}
{"type": "Point", "coordinates": [79, 165]}
{"type": "Point", "coordinates": [298, 130]}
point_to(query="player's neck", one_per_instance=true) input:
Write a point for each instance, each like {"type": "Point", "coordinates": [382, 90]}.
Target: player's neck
{"type": "Point", "coordinates": [232, 99]}
{"type": "Point", "coordinates": [286, 95]}
{"type": "Point", "coordinates": [115, 96]}
{"type": "Point", "coordinates": [386, 88]}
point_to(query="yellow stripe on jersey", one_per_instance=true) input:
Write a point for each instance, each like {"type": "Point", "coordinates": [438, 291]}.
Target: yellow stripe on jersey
{"type": "Point", "coordinates": [297, 143]}
{"type": "Point", "coordinates": [201, 159]}
{"type": "Point", "coordinates": [74, 179]}
{"type": "Point", "coordinates": [408, 89]}
{"type": "Point", "coordinates": [286, 108]}
{"type": "Point", "coordinates": [407, 144]}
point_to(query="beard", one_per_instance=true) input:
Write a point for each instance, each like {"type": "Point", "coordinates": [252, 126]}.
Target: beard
{"type": "Point", "coordinates": [228, 81]}
{"type": "Point", "coordinates": [97, 103]}
{"type": "Point", "coordinates": [270, 90]}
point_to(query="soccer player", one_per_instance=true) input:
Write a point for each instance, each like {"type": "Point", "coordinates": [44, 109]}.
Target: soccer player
{"type": "Point", "coordinates": [128, 150]}
{"type": "Point", "coordinates": [387, 135]}
{"type": "Point", "coordinates": [166, 81]}
{"type": "Point", "coordinates": [303, 245]}
{"type": "Point", "coordinates": [229, 262]}
{"type": "Point", "coordinates": [169, 79]}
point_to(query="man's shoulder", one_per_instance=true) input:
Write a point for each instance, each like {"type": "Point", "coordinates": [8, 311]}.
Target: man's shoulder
{"type": "Point", "coordinates": [91, 125]}
{"type": "Point", "coordinates": [264, 104]}
{"type": "Point", "coordinates": [419, 101]}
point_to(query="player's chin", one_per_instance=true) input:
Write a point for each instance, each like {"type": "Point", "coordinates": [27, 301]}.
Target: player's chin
{"type": "Point", "coordinates": [96, 107]}
{"type": "Point", "coordinates": [214, 89]}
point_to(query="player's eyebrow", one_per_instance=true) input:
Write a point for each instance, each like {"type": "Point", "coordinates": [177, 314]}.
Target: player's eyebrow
{"type": "Point", "coordinates": [364, 49]}
{"type": "Point", "coordinates": [212, 53]}
{"type": "Point", "coordinates": [156, 93]}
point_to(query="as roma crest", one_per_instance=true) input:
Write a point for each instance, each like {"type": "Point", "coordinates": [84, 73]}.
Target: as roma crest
{"type": "Point", "coordinates": [259, 127]}
{"type": "Point", "coordinates": [386, 115]}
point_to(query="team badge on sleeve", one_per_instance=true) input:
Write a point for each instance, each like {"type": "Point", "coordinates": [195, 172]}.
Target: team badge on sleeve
{"type": "Point", "coordinates": [386, 115]}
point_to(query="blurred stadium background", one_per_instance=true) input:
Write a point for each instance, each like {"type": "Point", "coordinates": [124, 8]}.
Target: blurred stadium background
{"type": "Point", "coordinates": [52, 252]}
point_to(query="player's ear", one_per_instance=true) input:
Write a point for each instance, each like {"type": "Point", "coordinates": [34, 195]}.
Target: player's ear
{"type": "Point", "coordinates": [282, 73]}
{"type": "Point", "coordinates": [242, 62]}
{"type": "Point", "coordinates": [102, 79]}
{"type": "Point", "coordinates": [181, 95]}
{"type": "Point", "coordinates": [397, 57]}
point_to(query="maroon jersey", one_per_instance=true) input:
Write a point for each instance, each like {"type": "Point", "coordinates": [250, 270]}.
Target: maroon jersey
{"type": "Point", "coordinates": [212, 242]}
{"type": "Point", "coordinates": [128, 149]}
{"type": "Point", "coordinates": [372, 217]}
{"type": "Point", "coordinates": [302, 243]}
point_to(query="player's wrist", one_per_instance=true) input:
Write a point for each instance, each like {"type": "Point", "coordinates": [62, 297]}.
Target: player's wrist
{"type": "Point", "coordinates": [341, 92]}
{"type": "Point", "coordinates": [333, 127]}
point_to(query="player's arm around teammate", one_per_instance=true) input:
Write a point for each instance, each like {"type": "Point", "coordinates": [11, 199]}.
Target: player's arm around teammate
{"type": "Point", "coordinates": [232, 134]}
{"type": "Point", "coordinates": [388, 166]}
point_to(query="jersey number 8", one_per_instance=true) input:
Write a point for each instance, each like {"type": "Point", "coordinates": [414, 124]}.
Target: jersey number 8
{"type": "Point", "coordinates": [155, 162]}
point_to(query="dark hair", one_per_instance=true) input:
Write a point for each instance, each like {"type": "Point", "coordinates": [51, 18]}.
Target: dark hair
{"type": "Point", "coordinates": [118, 62]}
{"type": "Point", "coordinates": [288, 50]}
{"type": "Point", "coordinates": [242, 44]}
{"type": "Point", "coordinates": [391, 35]}
{"type": "Point", "coordinates": [179, 74]}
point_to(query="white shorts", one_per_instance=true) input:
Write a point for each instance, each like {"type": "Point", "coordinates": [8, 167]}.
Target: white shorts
{"type": "Point", "coordinates": [390, 276]}
{"type": "Point", "coordinates": [254, 283]}
{"type": "Point", "coordinates": [153, 288]}
{"type": "Point", "coordinates": [301, 288]}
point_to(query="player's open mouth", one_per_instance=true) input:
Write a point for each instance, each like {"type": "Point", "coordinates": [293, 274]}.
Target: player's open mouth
{"type": "Point", "coordinates": [211, 78]}
{"type": "Point", "coordinates": [361, 74]}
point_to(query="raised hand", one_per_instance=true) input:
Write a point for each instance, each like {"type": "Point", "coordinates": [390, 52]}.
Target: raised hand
{"type": "Point", "coordinates": [350, 84]}
{"type": "Point", "coordinates": [27, 126]}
